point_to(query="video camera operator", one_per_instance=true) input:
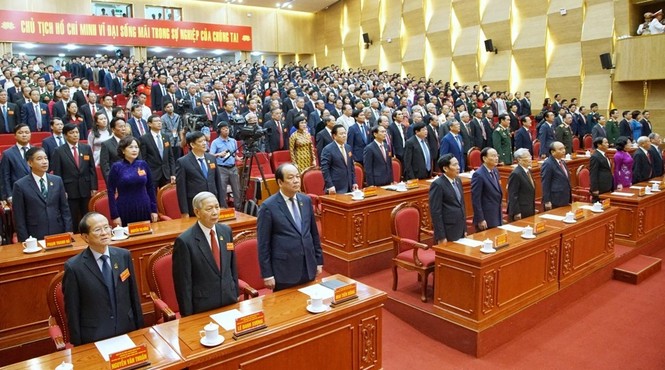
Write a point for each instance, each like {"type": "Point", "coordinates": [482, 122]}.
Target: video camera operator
{"type": "Point", "coordinates": [224, 148]}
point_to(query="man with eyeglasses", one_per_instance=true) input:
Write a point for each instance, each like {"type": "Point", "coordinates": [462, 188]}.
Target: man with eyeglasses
{"type": "Point", "coordinates": [101, 295]}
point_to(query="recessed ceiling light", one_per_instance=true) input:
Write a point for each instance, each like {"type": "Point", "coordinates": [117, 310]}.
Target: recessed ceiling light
{"type": "Point", "coordinates": [109, 48]}
{"type": "Point", "coordinates": [157, 49]}
{"type": "Point", "coordinates": [71, 47]}
{"type": "Point", "coordinates": [188, 50]}
{"type": "Point", "coordinates": [98, 55]}
{"type": "Point", "coordinates": [278, 5]}
{"type": "Point", "coordinates": [256, 53]}
{"type": "Point", "coordinates": [21, 53]}
{"type": "Point", "coordinates": [290, 6]}
{"type": "Point", "coordinates": [218, 52]}
{"type": "Point", "coordinates": [61, 55]}
{"type": "Point", "coordinates": [28, 46]}
{"type": "Point", "coordinates": [169, 57]}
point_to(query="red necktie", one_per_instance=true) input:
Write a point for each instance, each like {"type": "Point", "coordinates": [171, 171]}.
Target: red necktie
{"type": "Point", "coordinates": [563, 168]}
{"type": "Point", "coordinates": [215, 249]}
{"type": "Point", "coordinates": [92, 110]}
{"type": "Point", "coordinates": [208, 112]}
{"type": "Point", "coordinates": [281, 135]}
{"type": "Point", "coordinates": [76, 155]}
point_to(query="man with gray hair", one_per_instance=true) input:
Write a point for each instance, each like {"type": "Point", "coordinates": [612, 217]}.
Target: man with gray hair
{"type": "Point", "coordinates": [521, 188]}
{"type": "Point", "coordinates": [205, 276]}
{"type": "Point", "coordinates": [656, 154]}
{"type": "Point", "coordinates": [642, 168]}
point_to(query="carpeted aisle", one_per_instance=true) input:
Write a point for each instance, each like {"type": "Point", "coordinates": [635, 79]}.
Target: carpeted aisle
{"type": "Point", "coordinates": [616, 326]}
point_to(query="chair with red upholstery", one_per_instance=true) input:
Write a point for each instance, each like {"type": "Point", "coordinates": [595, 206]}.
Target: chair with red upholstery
{"type": "Point", "coordinates": [101, 184]}
{"type": "Point", "coordinates": [360, 174]}
{"type": "Point", "coordinates": [397, 170]}
{"type": "Point", "coordinates": [536, 149]}
{"type": "Point", "coordinates": [247, 261]}
{"type": "Point", "coordinates": [313, 185]}
{"type": "Point", "coordinates": [473, 159]}
{"type": "Point", "coordinates": [409, 252]}
{"type": "Point", "coordinates": [57, 329]}
{"type": "Point", "coordinates": [588, 142]}
{"type": "Point", "coordinates": [7, 139]}
{"type": "Point", "coordinates": [582, 192]}
{"type": "Point", "coordinates": [576, 144]}
{"type": "Point", "coordinates": [100, 203]}
{"type": "Point", "coordinates": [278, 157]}
{"type": "Point", "coordinates": [167, 203]}
{"type": "Point", "coordinates": [37, 137]}
{"type": "Point", "coordinates": [263, 159]}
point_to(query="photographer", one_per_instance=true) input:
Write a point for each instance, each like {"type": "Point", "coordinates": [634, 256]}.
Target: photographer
{"type": "Point", "coordinates": [172, 124]}
{"type": "Point", "coordinates": [224, 149]}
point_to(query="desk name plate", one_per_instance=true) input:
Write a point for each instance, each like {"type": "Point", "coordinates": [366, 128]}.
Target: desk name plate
{"type": "Point", "coordinates": [132, 358]}
{"type": "Point", "coordinates": [139, 228]}
{"type": "Point", "coordinates": [249, 324]}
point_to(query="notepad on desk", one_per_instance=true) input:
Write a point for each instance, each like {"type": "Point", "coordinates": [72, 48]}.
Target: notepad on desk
{"type": "Point", "coordinates": [621, 194]}
{"type": "Point", "coordinates": [552, 217]}
{"type": "Point", "coordinates": [469, 242]}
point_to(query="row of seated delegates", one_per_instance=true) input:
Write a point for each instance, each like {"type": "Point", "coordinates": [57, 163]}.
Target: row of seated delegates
{"type": "Point", "coordinates": [652, 25]}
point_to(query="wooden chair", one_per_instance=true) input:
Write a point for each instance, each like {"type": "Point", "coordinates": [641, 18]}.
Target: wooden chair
{"type": "Point", "coordinates": [576, 144]}
{"type": "Point", "coordinates": [159, 273]}
{"type": "Point", "coordinates": [360, 174]}
{"type": "Point", "coordinates": [57, 322]}
{"type": "Point", "coordinates": [100, 203]}
{"type": "Point", "coordinates": [101, 184]}
{"type": "Point", "coordinates": [582, 192]}
{"type": "Point", "coordinates": [167, 203]}
{"type": "Point", "coordinates": [278, 157]}
{"type": "Point", "coordinates": [313, 185]}
{"type": "Point", "coordinates": [588, 142]}
{"type": "Point", "coordinates": [247, 258]}
{"type": "Point", "coordinates": [473, 159]}
{"type": "Point", "coordinates": [408, 252]}
{"type": "Point", "coordinates": [397, 170]}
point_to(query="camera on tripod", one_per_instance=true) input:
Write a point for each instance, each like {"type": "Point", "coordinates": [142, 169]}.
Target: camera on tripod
{"type": "Point", "coordinates": [245, 132]}
{"type": "Point", "coordinates": [195, 122]}
{"type": "Point", "coordinates": [133, 86]}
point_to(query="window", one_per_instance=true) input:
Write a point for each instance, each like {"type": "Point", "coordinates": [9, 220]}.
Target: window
{"type": "Point", "coordinates": [112, 9]}
{"type": "Point", "coordinates": [163, 13]}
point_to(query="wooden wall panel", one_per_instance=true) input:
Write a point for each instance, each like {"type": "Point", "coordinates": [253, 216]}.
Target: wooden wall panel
{"type": "Point", "coordinates": [497, 67]}
{"type": "Point", "coordinates": [555, 5]}
{"type": "Point", "coordinates": [415, 67]}
{"type": "Point", "coordinates": [467, 12]}
{"type": "Point", "coordinates": [468, 41]}
{"type": "Point", "coordinates": [414, 22]}
{"type": "Point", "coordinates": [467, 68]}
{"type": "Point", "coordinates": [441, 11]}
{"type": "Point", "coordinates": [530, 8]}
{"type": "Point", "coordinates": [531, 62]}
{"type": "Point", "coordinates": [440, 42]}
{"type": "Point", "coordinates": [565, 29]}
{"type": "Point", "coordinates": [532, 33]}
{"type": "Point", "coordinates": [597, 25]}
{"type": "Point", "coordinates": [413, 48]}
{"type": "Point", "coordinates": [596, 89]}
{"type": "Point", "coordinates": [566, 61]}
{"type": "Point", "coordinates": [442, 69]}
{"type": "Point", "coordinates": [628, 95]}
{"type": "Point", "coordinates": [499, 32]}
{"type": "Point", "coordinates": [591, 51]}
{"type": "Point", "coordinates": [393, 9]}
{"type": "Point", "coordinates": [411, 5]}
{"type": "Point", "coordinates": [566, 86]}
{"type": "Point", "coordinates": [496, 10]}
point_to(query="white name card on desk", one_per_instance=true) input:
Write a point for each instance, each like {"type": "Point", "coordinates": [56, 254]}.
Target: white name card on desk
{"type": "Point", "coordinates": [113, 345]}
{"type": "Point", "coordinates": [637, 187]}
{"type": "Point", "coordinates": [511, 228]}
{"type": "Point", "coordinates": [621, 194]}
{"type": "Point", "coordinates": [469, 242]}
{"type": "Point", "coordinates": [227, 319]}
{"type": "Point", "coordinates": [552, 217]}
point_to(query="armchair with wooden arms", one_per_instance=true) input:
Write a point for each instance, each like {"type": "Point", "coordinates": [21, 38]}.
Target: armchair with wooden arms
{"type": "Point", "coordinates": [576, 144]}
{"type": "Point", "coordinates": [247, 259]}
{"type": "Point", "coordinates": [360, 174]}
{"type": "Point", "coordinates": [582, 192]}
{"type": "Point", "coordinates": [100, 203]}
{"type": "Point", "coordinates": [167, 203]}
{"type": "Point", "coordinates": [57, 322]}
{"type": "Point", "coordinates": [409, 252]}
{"type": "Point", "coordinates": [397, 170]}
{"type": "Point", "coordinates": [588, 141]}
{"type": "Point", "coordinates": [278, 157]}
{"type": "Point", "coordinates": [473, 158]}
{"type": "Point", "coordinates": [313, 185]}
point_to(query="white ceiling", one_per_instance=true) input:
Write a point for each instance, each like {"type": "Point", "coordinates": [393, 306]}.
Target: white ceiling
{"type": "Point", "coordinates": [309, 6]}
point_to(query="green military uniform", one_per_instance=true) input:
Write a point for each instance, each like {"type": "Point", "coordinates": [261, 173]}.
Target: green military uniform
{"type": "Point", "coordinates": [501, 142]}
{"type": "Point", "coordinates": [612, 131]}
{"type": "Point", "coordinates": [563, 134]}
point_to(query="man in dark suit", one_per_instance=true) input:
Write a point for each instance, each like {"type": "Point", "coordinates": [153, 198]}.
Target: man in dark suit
{"type": "Point", "coordinates": [397, 134]}
{"type": "Point", "coordinates": [60, 107]}
{"type": "Point", "coordinates": [358, 136]}
{"type": "Point", "coordinates": [156, 151]}
{"type": "Point", "coordinates": [74, 163]}
{"type": "Point", "coordinates": [109, 152]}
{"type": "Point", "coordinates": [417, 155]}
{"type": "Point", "coordinates": [642, 162]}
{"type": "Point", "coordinates": [486, 194]}
{"type": "Point", "coordinates": [555, 178]}
{"type": "Point", "coordinates": [278, 135]}
{"type": "Point", "coordinates": [521, 188]}
{"type": "Point", "coordinates": [336, 164]}
{"type": "Point", "coordinates": [624, 125]}
{"type": "Point", "coordinates": [101, 294]}
{"type": "Point", "coordinates": [377, 162]}
{"type": "Point", "coordinates": [526, 104]}
{"type": "Point", "coordinates": [647, 129]}
{"type": "Point", "coordinates": [136, 123]}
{"type": "Point", "coordinates": [546, 134]}
{"type": "Point", "coordinates": [452, 143]}
{"type": "Point", "coordinates": [480, 137]}
{"type": "Point", "coordinates": [196, 172]}
{"type": "Point", "coordinates": [51, 143]}
{"type": "Point", "coordinates": [205, 276]}
{"type": "Point", "coordinates": [35, 114]}
{"type": "Point", "coordinates": [599, 130]}
{"type": "Point", "coordinates": [89, 109]}
{"type": "Point", "coordinates": [9, 113]}
{"type": "Point", "coordinates": [446, 202]}
{"type": "Point", "coordinates": [13, 165]}
{"type": "Point", "coordinates": [656, 154]}
{"type": "Point", "coordinates": [523, 138]}
{"type": "Point", "coordinates": [324, 137]}
{"type": "Point", "coordinates": [600, 170]}
{"type": "Point", "coordinates": [207, 109]}
{"type": "Point", "coordinates": [81, 96]}
{"type": "Point", "coordinates": [158, 93]}
{"type": "Point", "coordinates": [39, 201]}
{"type": "Point", "coordinates": [433, 137]}
{"type": "Point", "coordinates": [290, 251]}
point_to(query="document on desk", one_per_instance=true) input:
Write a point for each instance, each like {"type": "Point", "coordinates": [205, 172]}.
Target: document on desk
{"type": "Point", "coordinates": [637, 187]}
{"type": "Point", "coordinates": [318, 290]}
{"type": "Point", "coordinates": [227, 319]}
{"type": "Point", "coordinates": [112, 345]}
{"type": "Point", "coordinates": [621, 194]}
{"type": "Point", "coordinates": [512, 228]}
{"type": "Point", "coordinates": [552, 217]}
{"type": "Point", "coordinates": [469, 242]}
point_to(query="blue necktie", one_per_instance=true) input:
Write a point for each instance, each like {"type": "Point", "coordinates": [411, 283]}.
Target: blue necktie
{"type": "Point", "coordinates": [296, 213]}
{"type": "Point", "coordinates": [457, 194]}
{"type": "Point", "coordinates": [459, 143]}
{"type": "Point", "coordinates": [108, 280]}
{"type": "Point", "coordinates": [4, 115]}
{"type": "Point", "coordinates": [426, 154]}
{"type": "Point", "coordinates": [204, 168]}
{"type": "Point", "coordinates": [363, 133]}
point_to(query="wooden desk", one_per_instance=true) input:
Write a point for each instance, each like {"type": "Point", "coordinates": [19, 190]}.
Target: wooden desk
{"type": "Point", "coordinates": [355, 235]}
{"type": "Point", "coordinates": [160, 355]}
{"type": "Point", "coordinates": [25, 277]}
{"type": "Point", "coordinates": [346, 337]}
{"type": "Point", "coordinates": [640, 219]}
{"type": "Point", "coordinates": [476, 290]}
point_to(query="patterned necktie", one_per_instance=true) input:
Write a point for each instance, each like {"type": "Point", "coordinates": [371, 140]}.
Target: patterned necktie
{"type": "Point", "coordinates": [108, 279]}
{"type": "Point", "coordinates": [38, 117]}
{"type": "Point", "coordinates": [426, 154]}
{"type": "Point", "coordinates": [42, 187]}
{"type": "Point", "coordinates": [58, 139]}
{"type": "Point", "coordinates": [204, 168]}
{"type": "Point", "coordinates": [76, 156]}
{"type": "Point", "coordinates": [296, 213]}
{"type": "Point", "coordinates": [4, 115]}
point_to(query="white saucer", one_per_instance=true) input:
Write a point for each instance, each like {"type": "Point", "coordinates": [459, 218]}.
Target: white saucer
{"type": "Point", "coordinates": [219, 341]}
{"type": "Point", "coordinates": [30, 251]}
{"type": "Point", "coordinates": [529, 237]}
{"type": "Point", "coordinates": [488, 251]}
{"type": "Point", "coordinates": [354, 198]}
{"type": "Point", "coordinates": [401, 190]}
{"type": "Point", "coordinates": [121, 238]}
{"type": "Point", "coordinates": [570, 222]}
{"type": "Point", "coordinates": [594, 211]}
{"type": "Point", "coordinates": [323, 308]}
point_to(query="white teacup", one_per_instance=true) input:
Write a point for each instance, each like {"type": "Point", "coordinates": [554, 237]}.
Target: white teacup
{"type": "Point", "coordinates": [488, 245]}
{"type": "Point", "coordinates": [30, 243]}
{"type": "Point", "coordinates": [655, 186]}
{"type": "Point", "coordinates": [210, 332]}
{"type": "Point", "coordinates": [119, 232]}
{"type": "Point", "coordinates": [358, 194]}
{"type": "Point", "coordinates": [567, 157]}
{"type": "Point", "coordinates": [587, 154]}
{"type": "Point", "coordinates": [315, 302]}
{"type": "Point", "coordinates": [570, 216]}
{"type": "Point", "coordinates": [527, 231]}
{"type": "Point", "coordinates": [401, 186]}
{"type": "Point", "coordinates": [597, 206]}
{"type": "Point", "coordinates": [647, 190]}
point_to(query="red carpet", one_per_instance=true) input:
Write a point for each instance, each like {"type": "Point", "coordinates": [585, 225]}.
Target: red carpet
{"type": "Point", "coordinates": [616, 326]}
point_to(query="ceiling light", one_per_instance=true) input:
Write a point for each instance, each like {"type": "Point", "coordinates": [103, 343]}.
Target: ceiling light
{"type": "Point", "coordinates": [71, 47]}
{"type": "Point", "coordinates": [255, 53]}
{"type": "Point", "coordinates": [188, 50]}
{"type": "Point", "coordinates": [169, 57]}
{"type": "Point", "coordinates": [98, 55]}
{"type": "Point", "coordinates": [28, 46]}
{"type": "Point", "coordinates": [290, 6]}
{"type": "Point", "coordinates": [61, 55]}
{"type": "Point", "coordinates": [218, 52]}
{"type": "Point", "coordinates": [278, 5]}
{"type": "Point", "coordinates": [21, 53]}
{"type": "Point", "coordinates": [109, 48]}
{"type": "Point", "coordinates": [157, 49]}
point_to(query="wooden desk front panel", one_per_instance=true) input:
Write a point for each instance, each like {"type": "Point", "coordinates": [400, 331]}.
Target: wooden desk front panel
{"type": "Point", "coordinates": [477, 290]}
{"type": "Point", "coordinates": [346, 337]}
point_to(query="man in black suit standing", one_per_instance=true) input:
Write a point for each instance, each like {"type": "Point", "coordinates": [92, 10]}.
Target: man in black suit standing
{"type": "Point", "coordinates": [205, 276]}
{"type": "Point", "coordinates": [523, 137]}
{"type": "Point", "coordinates": [555, 178]}
{"type": "Point", "coordinates": [89, 108]}
{"type": "Point", "coordinates": [642, 162]}
{"type": "Point", "coordinates": [325, 137]}
{"type": "Point", "coordinates": [156, 151]}
{"type": "Point", "coordinates": [196, 172]}
{"type": "Point", "coordinates": [600, 170]}
{"type": "Point", "coordinates": [74, 163]}
{"type": "Point", "coordinates": [336, 164]}
{"type": "Point", "coordinates": [656, 154]}
{"type": "Point", "coordinates": [526, 104]}
{"type": "Point", "coordinates": [376, 159]}
{"type": "Point", "coordinates": [9, 113]}
{"type": "Point", "coordinates": [101, 294]}
{"type": "Point", "coordinates": [446, 202]}
{"type": "Point", "coordinates": [278, 135]}
{"type": "Point", "coordinates": [417, 155]}
{"type": "Point", "coordinates": [397, 134]}
{"type": "Point", "coordinates": [60, 107]}
{"type": "Point", "coordinates": [521, 188]}
{"type": "Point", "coordinates": [158, 93]}
{"type": "Point", "coordinates": [51, 143]}
{"type": "Point", "coordinates": [13, 166]}
{"type": "Point", "coordinates": [109, 152]}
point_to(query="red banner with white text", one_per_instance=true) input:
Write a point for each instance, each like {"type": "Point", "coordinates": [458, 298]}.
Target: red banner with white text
{"type": "Point", "coordinates": [52, 28]}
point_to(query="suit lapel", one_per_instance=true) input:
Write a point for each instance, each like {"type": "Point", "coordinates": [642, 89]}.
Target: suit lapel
{"type": "Point", "coordinates": [117, 267]}
{"type": "Point", "coordinates": [196, 164]}
{"type": "Point", "coordinates": [285, 209]}
{"type": "Point", "coordinates": [35, 188]}
{"type": "Point", "coordinates": [91, 264]}
{"type": "Point", "coordinates": [204, 247]}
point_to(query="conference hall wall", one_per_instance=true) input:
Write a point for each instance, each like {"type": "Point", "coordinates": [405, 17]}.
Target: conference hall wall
{"type": "Point", "coordinates": [539, 49]}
